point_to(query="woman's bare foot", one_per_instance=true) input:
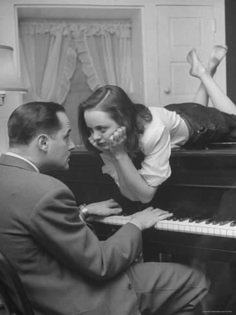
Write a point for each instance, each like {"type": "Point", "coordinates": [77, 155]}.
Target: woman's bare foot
{"type": "Point", "coordinates": [218, 53]}
{"type": "Point", "coordinates": [197, 69]}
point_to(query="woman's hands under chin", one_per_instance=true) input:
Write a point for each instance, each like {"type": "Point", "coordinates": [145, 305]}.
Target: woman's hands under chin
{"type": "Point", "coordinates": [118, 137]}
{"type": "Point", "coordinates": [114, 144]}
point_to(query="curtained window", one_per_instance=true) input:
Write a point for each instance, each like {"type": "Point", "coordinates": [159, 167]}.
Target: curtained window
{"type": "Point", "coordinates": [65, 61]}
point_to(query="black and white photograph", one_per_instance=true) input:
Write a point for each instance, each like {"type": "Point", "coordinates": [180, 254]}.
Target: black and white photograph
{"type": "Point", "coordinates": [117, 157]}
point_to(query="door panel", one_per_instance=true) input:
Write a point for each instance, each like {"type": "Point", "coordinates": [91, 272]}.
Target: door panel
{"type": "Point", "coordinates": [180, 28]}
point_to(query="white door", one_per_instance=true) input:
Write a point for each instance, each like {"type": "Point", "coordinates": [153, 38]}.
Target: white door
{"type": "Point", "coordinates": [180, 28]}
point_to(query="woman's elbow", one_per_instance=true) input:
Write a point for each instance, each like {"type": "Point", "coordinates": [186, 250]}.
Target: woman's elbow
{"type": "Point", "coordinates": [148, 196]}
{"type": "Point", "coordinates": [145, 199]}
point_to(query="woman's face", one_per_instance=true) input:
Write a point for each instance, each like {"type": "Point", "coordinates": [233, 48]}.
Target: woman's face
{"type": "Point", "coordinates": [100, 125]}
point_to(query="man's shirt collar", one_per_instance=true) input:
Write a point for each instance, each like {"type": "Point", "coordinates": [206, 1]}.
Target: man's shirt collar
{"type": "Point", "coordinates": [24, 159]}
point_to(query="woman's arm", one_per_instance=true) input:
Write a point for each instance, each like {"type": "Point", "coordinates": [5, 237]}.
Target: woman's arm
{"type": "Point", "coordinates": [141, 185]}
{"type": "Point", "coordinates": [131, 183]}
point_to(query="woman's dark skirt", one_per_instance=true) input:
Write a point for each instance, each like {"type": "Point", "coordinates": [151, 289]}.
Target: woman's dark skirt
{"type": "Point", "coordinates": [206, 124]}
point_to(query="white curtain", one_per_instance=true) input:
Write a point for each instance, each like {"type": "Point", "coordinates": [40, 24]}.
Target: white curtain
{"type": "Point", "coordinates": [105, 52]}
{"type": "Point", "coordinates": [48, 60]}
{"type": "Point", "coordinates": [49, 52]}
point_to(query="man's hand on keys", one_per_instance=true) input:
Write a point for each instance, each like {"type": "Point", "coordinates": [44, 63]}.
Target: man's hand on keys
{"type": "Point", "coordinates": [149, 217]}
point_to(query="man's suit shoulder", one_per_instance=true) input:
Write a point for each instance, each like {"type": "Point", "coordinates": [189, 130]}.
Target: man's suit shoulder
{"type": "Point", "coordinates": [50, 182]}
{"type": "Point", "coordinates": [41, 184]}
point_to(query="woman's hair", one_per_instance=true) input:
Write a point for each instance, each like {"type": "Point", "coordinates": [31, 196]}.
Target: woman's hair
{"type": "Point", "coordinates": [30, 119]}
{"type": "Point", "coordinates": [114, 101]}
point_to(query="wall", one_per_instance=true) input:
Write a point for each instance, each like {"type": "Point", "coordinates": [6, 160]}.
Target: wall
{"type": "Point", "coordinates": [230, 13]}
{"type": "Point", "coordinates": [8, 36]}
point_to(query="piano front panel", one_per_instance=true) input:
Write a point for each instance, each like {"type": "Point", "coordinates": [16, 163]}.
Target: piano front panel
{"type": "Point", "coordinates": [202, 188]}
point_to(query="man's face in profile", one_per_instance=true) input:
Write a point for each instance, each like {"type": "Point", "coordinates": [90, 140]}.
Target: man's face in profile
{"type": "Point", "coordinates": [60, 144]}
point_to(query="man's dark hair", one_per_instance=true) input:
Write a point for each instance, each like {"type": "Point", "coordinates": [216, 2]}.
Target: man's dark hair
{"type": "Point", "coordinates": [30, 119]}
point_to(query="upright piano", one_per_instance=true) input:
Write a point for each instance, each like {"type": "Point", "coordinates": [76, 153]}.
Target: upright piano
{"type": "Point", "coordinates": [201, 194]}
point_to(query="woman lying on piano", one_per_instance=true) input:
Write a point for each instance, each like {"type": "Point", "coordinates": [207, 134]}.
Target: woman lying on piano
{"type": "Point", "coordinates": [116, 128]}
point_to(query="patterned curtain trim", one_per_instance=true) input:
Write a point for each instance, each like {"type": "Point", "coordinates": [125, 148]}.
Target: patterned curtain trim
{"type": "Point", "coordinates": [121, 29]}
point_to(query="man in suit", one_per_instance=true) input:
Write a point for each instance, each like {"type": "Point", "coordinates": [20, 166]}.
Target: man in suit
{"type": "Point", "coordinates": [64, 268]}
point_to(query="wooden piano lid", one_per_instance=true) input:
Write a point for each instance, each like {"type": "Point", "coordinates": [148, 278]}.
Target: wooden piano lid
{"type": "Point", "coordinates": [214, 165]}
{"type": "Point", "coordinates": [221, 148]}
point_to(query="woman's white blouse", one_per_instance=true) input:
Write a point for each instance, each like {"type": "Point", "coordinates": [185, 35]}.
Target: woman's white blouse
{"type": "Point", "coordinates": [166, 131]}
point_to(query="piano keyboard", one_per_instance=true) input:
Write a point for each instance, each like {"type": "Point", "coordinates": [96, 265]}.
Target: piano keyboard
{"type": "Point", "coordinates": [227, 229]}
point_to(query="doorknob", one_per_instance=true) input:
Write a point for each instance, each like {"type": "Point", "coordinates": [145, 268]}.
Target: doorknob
{"type": "Point", "coordinates": [167, 90]}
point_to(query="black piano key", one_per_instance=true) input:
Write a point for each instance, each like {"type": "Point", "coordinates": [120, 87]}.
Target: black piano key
{"type": "Point", "coordinates": [174, 218]}
{"type": "Point", "coordinates": [170, 218]}
{"type": "Point", "coordinates": [223, 222]}
{"type": "Point", "coordinates": [198, 218]}
{"type": "Point", "coordinates": [213, 220]}
{"type": "Point", "coordinates": [222, 219]}
{"type": "Point", "coordinates": [181, 219]}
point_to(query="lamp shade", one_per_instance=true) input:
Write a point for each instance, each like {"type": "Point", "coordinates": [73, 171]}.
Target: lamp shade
{"type": "Point", "coordinates": [8, 76]}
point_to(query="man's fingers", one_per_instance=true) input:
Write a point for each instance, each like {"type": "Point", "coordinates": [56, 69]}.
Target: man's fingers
{"type": "Point", "coordinates": [115, 210]}
{"type": "Point", "coordinates": [111, 203]}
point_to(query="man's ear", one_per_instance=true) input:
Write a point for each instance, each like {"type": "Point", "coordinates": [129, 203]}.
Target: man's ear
{"type": "Point", "coordinates": [43, 142]}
